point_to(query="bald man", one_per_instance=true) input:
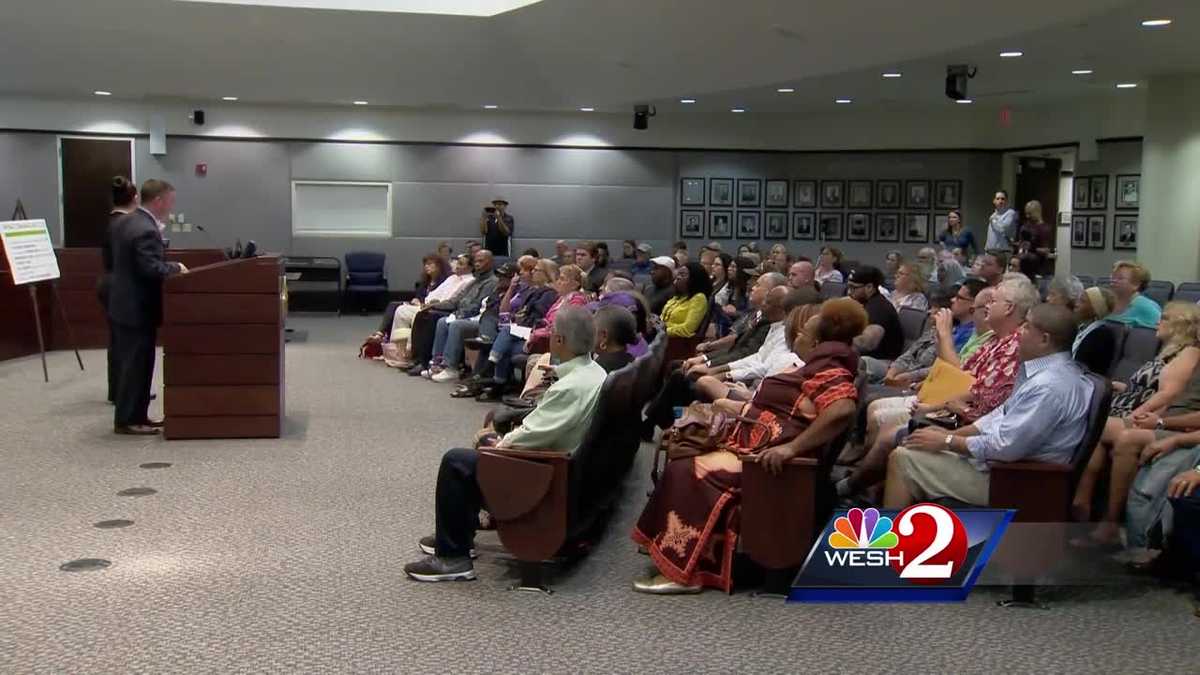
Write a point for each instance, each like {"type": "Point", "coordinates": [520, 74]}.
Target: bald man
{"type": "Point", "coordinates": [802, 274]}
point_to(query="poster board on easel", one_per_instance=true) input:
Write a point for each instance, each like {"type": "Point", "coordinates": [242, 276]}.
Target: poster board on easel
{"type": "Point", "coordinates": [31, 260]}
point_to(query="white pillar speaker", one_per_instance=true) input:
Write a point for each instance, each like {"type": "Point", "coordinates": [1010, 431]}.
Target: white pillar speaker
{"type": "Point", "coordinates": [158, 135]}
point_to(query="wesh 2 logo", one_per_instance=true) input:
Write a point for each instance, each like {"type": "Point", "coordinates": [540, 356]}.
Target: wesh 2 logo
{"type": "Point", "coordinates": [924, 553]}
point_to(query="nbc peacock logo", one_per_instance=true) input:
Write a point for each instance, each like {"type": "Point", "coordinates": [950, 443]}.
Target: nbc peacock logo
{"type": "Point", "coordinates": [863, 529]}
{"type": "Point", "coordinates": [924, 542]}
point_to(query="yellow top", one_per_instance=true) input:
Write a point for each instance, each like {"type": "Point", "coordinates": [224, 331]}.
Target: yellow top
{"type": "Point", "coordinates": [682, 316]}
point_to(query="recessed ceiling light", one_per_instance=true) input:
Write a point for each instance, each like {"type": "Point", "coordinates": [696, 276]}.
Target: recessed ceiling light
{"type": "Point", "coordinates": [490, 106]}
{"type": "Point", "coordinates": [360, 103]}
{"type": "Point", "coordinates": [1126, 85]}
{"type": "Point", "coordinates": [1082, 71]}
{"type": "Point", "coordinates": [1011, 55]}
{"type": "Point", "coordinates": [587, 110]}
{"type": "Point", "coordinates": [99, 92]}
{"type": "Point", "coordinates": [892, 75]}
{"type": "Point", "coordinates": [229, 98]}
{"type": "Point", "coordinates": [1156, 23]}
{"type": "Point", "coordinates": [687, 100]}
{"type": "Point", "coordinates": [842, 101]}
{"type": "Point", "coordinates": [786, 90]}
{"type": "Point", "coordinates": [964, 100]}
{"type": "Point", "coordinates": [737, 110]}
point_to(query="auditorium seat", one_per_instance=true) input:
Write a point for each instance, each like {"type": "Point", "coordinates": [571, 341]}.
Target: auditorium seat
{"type": "Point", "coordinates": [1188, 291]}
{"type": "Point", "coordinates": [548, 503]}
{"type": "Point", "coordinates": [680, 348]}
{"type": "Point", "coordinates": [832, 289]}
{"type": "Point", "coordinates": [1136, 346]}
{"type": "Point", "coordinates": [912, 321]}
{"type": "Point", "coordinates": [1086, 279]}
{"type": "Point", "coordinates": [365, 276]}
{"type": "Point", "coordinates": [1160, 291]}
{"type": "Point", "coordinates": [650, 374]}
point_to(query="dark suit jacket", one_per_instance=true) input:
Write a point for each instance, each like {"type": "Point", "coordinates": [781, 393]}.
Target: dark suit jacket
{"type": "Point", "coordinates": [747, 342]}
{"type": "Point", "coordinates": [1098, 350]}
{"type": "Point", "coordinates": [102, 285]}
{"type": "Point", "coordinates": [138, 270]}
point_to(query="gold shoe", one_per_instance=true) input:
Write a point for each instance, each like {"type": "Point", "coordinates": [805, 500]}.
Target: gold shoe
{"type": "Point", "coordinates": [660, 585]}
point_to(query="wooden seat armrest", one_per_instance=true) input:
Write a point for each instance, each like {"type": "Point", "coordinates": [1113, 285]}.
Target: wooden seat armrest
{"type": "Point", "coordinates": [526, 492]}
{"type": "Point", "coordinates": [1041, 492]}
{"type": "Point", "coordinates": [523, 453]}
{"type": "Point", "coordinates": [1030, 466]}
{"type": "Point", "coordinates": [778, 512]}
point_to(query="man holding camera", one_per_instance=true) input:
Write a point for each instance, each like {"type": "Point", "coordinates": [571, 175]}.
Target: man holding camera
{"type": "Point", "coordinates": [496, 226]}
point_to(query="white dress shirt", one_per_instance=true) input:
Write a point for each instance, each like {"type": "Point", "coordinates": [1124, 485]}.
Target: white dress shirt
{"type": "Point", "coordinates": [774, 356]}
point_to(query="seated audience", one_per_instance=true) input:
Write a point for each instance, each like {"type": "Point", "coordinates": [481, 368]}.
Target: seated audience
{"type": "Point", "coordinates": [781, 260]}
{"type": "Point", "coordinates": [1167, 385]}
{"type": "Point", "coordinates": [661, 286]}
{"type": "Point", "coordinates": [690, 526]}
{"type": "Point", "coordinates": [722, 284]}
{"type": "Point", "coordinates": [927, 260]}
{"type": "Point", "coordinates": [990, 267]}
{"type": "Point", "coordinates": [949, 272]}
{"type": "Point", "coordinates": [685, 311]}
{"type": "Point", "coordinates": [964, 338]}
{"type": "Point", "coordinates": [1043, 420]}
{"type": "Point", "coordinates": [586, 256]}
{"type": "Point", "coordinates": [1025, 264]}
{"type": "Point", "coordinates": [451, 333]}
{"type": "Point", "coordinates": [564, 254]}
{"type": "Point", "coordinates": [909, 289]}
{"type": "Point", "coordinates": [1065, 291]}
{"type": "Point", "coordinates": [641, 260]}
{"type": "Point", "coordinates": [1129, 279]}
{"type": "Point", "coordinates": [679, 251]}
{"type": "Point", "coordinates": [829, 265]}
{"type": "Point", "coordinates": [741, 274]}
{"type": "Point", "coordinates": [629, 250]}
{"type": "Point", "coordinates": [709, 253]}
{"type": "Point", "coordinates": [1162, 450]}
{"type": "Point", "coordinates": [602, 255]}
{"type": "Point", "coordinates": [802, 274]}
{"type": "Point", "coordinates": [434, 271]}
{"type": "Point", "coordinates": [1095, 346]}
{"type": "Point", "coordinates": [883, 337]}
{"type": "Point", "coordinates": [463, 305]}
{"type": "Point", "coordinates": [891, 264]}
{"type": "Point", "coordinates": [444, 251]}
{"type": "Point", "coordinates": [913, 364]}
{"type": "Point", "coordinates": [472, 247]}
{"type": "Point", "coordinates": [559, 422]}
{"type": "Point", "coordinates": [449, 287]}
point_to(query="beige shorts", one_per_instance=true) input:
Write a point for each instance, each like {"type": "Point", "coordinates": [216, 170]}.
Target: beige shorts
{"type": "Point", "coordinates": [931, 475]}
{"type": "Point", "coordinates": [893, 411]}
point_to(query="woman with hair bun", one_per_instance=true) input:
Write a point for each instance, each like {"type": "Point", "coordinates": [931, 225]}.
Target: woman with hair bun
{"type": "Point", "coordinates": [125, 200]}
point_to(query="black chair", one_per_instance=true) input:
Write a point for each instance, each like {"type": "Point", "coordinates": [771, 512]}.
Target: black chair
{"type": "Point", "coordinates": [832, 289]}
{"type": "Point", "coordinates": [650, 367]}
{"type": "Point", "coordinates": [1086, 279]}
{"type": "Point", "coordinates": [365, 276]}
{"type": "Point", "coordinates": [1104, 282]}
{"type": "Point", "coordinates": [912, 321]}
{"type": "Point", "coordinates": [1160, 292]}
{"type": "Point", "coordinates": [1044, 286]}
{"type": "Point", "coordinates": [1138, 346]}
{"type": "Point", "coordinates": [1188, 291]}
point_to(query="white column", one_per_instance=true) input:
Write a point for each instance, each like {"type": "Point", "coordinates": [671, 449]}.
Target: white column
{"type": "Point", "coordinates": [1169, 218]}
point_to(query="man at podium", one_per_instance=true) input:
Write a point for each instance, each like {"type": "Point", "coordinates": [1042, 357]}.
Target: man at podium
{"type": "Point", "coordinates": [135, 303]}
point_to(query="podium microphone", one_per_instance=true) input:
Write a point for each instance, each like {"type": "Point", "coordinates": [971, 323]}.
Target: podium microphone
{"type": "Point", "coordinates": [211, 240]}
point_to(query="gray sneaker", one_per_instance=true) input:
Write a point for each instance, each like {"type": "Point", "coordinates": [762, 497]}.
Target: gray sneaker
{"type": "Point", "coordinates": [433, 568]}
{"type": "Point", "coordinates": [428, 546]}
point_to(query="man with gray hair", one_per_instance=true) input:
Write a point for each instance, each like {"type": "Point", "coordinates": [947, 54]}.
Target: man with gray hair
{"type": "Point", "coordinates": [559, 421]}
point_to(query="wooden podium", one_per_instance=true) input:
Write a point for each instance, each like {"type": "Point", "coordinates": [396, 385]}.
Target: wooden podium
{"type": "Point", "coordinates": [222, 338]}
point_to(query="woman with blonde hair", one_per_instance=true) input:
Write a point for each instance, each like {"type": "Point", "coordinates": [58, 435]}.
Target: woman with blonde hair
{"type": "Point", "coordinates": [1165, 385]}
{"type": "Point", "coordinates": [910, 288]}
{"type": "Point", "coordinates": [829, 265]}
{"type": "Point", "coordinates": [1129, 279]}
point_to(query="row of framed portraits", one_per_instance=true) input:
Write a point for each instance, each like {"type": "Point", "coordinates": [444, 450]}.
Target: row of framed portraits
{"type": "Point", "coordinates": [805, 193]}
{"type": "Point", "coordinates": [1088, 231]}
{"type": "Point", "coordinates": [913, 228]}
{"type": "Point", "coordinates": [1091, 192]}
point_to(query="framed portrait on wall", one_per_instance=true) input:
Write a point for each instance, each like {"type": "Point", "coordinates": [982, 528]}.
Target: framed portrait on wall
{"type": "Point", "coordinates": [749, 224]}
{"type": "Point", "coordinates": [916, 194]}
{"type": "Point", "coordinates": [720, 224]}
{"type": "Point", "coordinates": [1125, 230]}
{"type": "Point", "coordinates": [887, 194]}
{"type": "Point", "coordinates": [833, 194]}
{"type": "Point", "coordinates": [1081, 190]}
{"type": "Point", "coordinates": [804, 225]}
{"type": "Point", "coordinates": [749, 192]}
{"type": "Point", "coordinates": [1096, 231]}
{"type": "Point", "coordinates": [947, 194]}
{"type": "Point", "coordinates": [941, 222]}
{"type": "Point", "coordinates": [830, 226]}
{"type": "Point", "coordinates": [804, 194]}
{"type": "Point", "coordinates": [776, 226]}
{"type": "Point", "coordinates": [1079, 230]}
{"type": "Point", "coordinates": [860, 194]}
{"type": "Point", "coordinates": [691, 224]}
{"type": "Point", "coordinates": [916, 228]}
{"type": "Point", "coordinates": [691, 192]}
{"type": "Point", "coordinates": [858, 227]}
{"type": "Point", "coordinates": [720, 192]}
{"type": "Point", "coordinates": [887, 227]}
{"type": "Point", "coordinates": [1129, 189]}
{"type": "Point", "coordinates": [1098, 194]}
{"type": "Point", "coordinates": [777, 194]}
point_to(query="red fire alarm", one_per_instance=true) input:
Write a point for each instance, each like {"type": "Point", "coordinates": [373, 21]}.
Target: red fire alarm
{"type": "Point", "coordinates": [202, 169]}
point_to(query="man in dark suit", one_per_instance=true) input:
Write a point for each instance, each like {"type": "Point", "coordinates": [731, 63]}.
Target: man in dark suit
{"type": "Point", "coordinates": [135, 303]}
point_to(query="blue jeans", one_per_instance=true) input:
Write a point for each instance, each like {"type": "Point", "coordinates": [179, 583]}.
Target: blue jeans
{"type": "Point", "coordinates": [451, 348]}
{"type": "Point", "coordinates": [505, 348]}
{"type": "Point", "coordinates": [1187, 535]}
{"type": "Point", "coordinates": [1148, 510]}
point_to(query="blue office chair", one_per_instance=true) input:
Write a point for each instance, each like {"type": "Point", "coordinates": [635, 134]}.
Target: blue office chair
{"type": "Point", "coordinates": [365, 276]}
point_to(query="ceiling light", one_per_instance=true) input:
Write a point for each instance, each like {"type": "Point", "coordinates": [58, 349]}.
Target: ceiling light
{"type": "Point", "coordinates": [587, 110]}
{"type": "Point", "coordinates": [99, 92]}
{"type": "Point", "coordinates": [842, 101]}
{"type": "Point", "coordinates": [964, 100]}
{"type": "Point", "coordinates": [1156, 23]}
{"type": "Point", "coordinates": [738, 110]}
{"type": "Point", "coordinates": [1082, 71]}
{"type": "Point", "coordinates": [444, 7]}
{"type": "Point", "coordinates": [490, 106]}
{"type": "Point", "coordinates": [360, 103]}
{"type": "Point", "coordinates": [892, 75]}
{"type": "Point", "coordinates": [1011, 55]}
{"type": "Point", "coordinates": [229, 98]}
{"type": "Point", "coordinates": [1126, 85]}
{"type": "Point", "coordinates": [786, 90]}
{"type": "Point", "coordinates": [687, 100]}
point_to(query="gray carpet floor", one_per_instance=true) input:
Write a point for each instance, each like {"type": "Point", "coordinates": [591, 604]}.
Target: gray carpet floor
{"type": "Point", "coordinates": [285, 555]}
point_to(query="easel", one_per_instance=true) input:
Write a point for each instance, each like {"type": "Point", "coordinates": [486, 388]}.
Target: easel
{"type": "Point", "coordinates": [19, 214]}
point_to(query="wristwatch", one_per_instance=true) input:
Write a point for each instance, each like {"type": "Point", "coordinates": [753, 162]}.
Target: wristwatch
{"type": "Point", "coordinates": [949, 440]}
{"type": "Point", "coordinates": [1161, 424]}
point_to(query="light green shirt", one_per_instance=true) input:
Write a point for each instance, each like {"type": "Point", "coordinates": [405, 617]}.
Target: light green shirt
{"type": "Point", "coordinates": [564, 412]}
{"type": "Point", "coordinates": [973, 344]}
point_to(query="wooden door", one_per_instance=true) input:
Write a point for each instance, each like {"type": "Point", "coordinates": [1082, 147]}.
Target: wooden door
{"type": "Point", "coordinates": [1038, 178]}
{"type": "Point", "coordinates": [88, 166]}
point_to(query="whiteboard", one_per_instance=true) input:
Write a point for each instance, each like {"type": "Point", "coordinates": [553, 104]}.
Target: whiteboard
{"type": "Point", "coordinates": [341, 209]}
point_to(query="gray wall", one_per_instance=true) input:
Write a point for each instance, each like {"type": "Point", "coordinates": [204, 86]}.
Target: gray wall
{"type": "Point", "coordinates": [29, 172]}
{"type": "Point", "coordinates": [1113, 159]}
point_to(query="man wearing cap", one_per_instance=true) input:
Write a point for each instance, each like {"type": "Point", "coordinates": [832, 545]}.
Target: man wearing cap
{"type": "Point", "coordinates": [661, 286]}
{"type": "Point", "coordinates": [641, 259]}
{"type": "Point", "coordinates": [496, 226]}
{"type": "Point", "coordinates": [883, 337]}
